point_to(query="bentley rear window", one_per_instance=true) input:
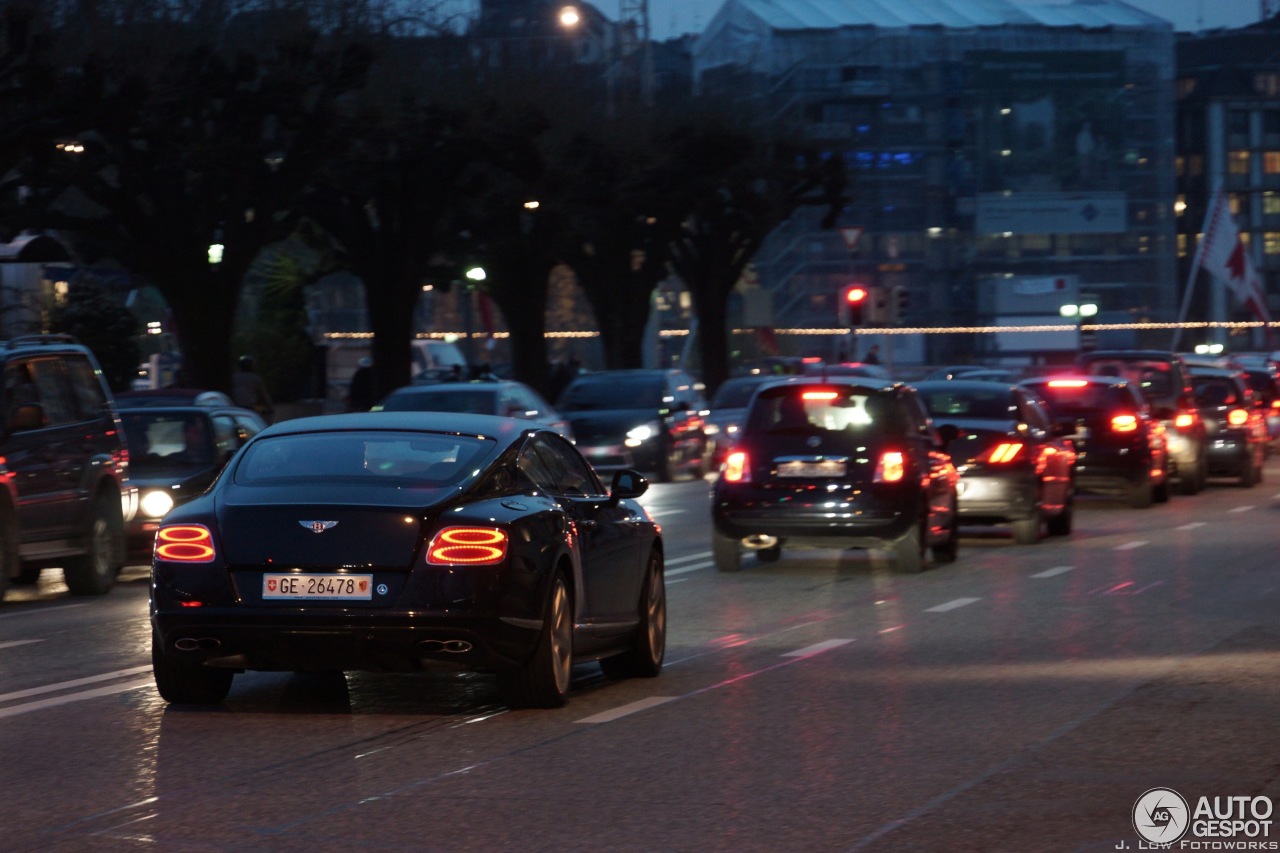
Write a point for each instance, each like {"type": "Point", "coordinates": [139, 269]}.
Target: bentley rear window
{"type": "Point", "coordinates": [394, 458]}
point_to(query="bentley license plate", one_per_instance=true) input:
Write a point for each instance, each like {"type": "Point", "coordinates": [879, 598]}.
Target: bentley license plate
{"type": "Point", "coordinates": [825, 468]}
{"type": "Point", "coordinates": [317, 587]}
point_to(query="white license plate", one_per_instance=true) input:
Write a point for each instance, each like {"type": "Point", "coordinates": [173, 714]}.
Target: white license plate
{"type": "Point", "coordinates": [317, 587]}
{"type": "Point", "coordinates": [826, 468]}
{"type": "Point", "coordinates": [1081, 434]}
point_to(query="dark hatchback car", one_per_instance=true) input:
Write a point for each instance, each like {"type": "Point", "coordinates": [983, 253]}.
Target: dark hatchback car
{"type": "Point", "coordinates": [1120, 448]}
{"type": "Point", "coordinates": [1235, 420]}
{"type": "Point", "coordinates": [727, 408]}
{"type": "Point", "coordinates": [840, 463]}
{"type": "Point", "coordinates": [175, 452]}
{"type": "Point", "coordinates": [648, 420]}
{"type": "Point", "coordinates": [1161, 377]}
{"type": "Point", "coordinates": [396, 541]}
{"type": "Point", "coordinates": [1015, 467]}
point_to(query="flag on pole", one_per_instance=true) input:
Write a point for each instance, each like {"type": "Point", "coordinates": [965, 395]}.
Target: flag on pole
{"type": "Point", "coordinates": [1223, 255]}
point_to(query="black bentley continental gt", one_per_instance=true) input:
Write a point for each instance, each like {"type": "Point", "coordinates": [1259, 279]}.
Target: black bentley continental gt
{"type": "Point", "coordinates": [398, 541]}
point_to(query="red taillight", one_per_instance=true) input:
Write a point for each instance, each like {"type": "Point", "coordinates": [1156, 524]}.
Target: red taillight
{"type": "Point", "coordinates": [1237, 417]}
{"type": "Point", "coordinates": [1275, 404]}
{"type": "Point", "coordinates": [1124, 423]}
{"type": "Point", "coordinates": [185, 543]}
{"type": "Point", "coordinates": [823, 396]}
{"type": "Point", "coordinates": [474, 546]}
{"type": "Point", "coordinates": [891, 468]}
{"type": "Point", "coordinates": [1068, 383]}
{"type": "Point", "coordinates": [1184, 420]}
{"type": "Point", "coordinates": [1005, 452]}
{"type": "Point", "coordinates": [735, 468]}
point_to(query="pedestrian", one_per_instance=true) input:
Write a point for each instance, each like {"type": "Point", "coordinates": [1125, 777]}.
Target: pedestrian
{"type": "Point", "coordinates": [873, 355]}
{"type": "Point", "coordinates": [360, 393]}
{"type": "Point", "coordinates": [248, 389]}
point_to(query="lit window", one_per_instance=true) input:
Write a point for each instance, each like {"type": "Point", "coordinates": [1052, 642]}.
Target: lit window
{"type": "Point", "coordinates": [1271, 162]}
{"type": "Point", "coordinates": [1238, 162]}
{"type": "Point", "coordinates": [1270, 203]}
{"type": "Point", "coordinates": [1271, 242]}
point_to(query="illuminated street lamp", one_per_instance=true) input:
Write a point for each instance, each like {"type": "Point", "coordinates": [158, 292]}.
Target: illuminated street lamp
{"type": "Point", "coordinates": [475, 274]}
{"type": "Point", "coordinates": [1079, 311]}
{"type": "Point", "coordinates": [570, 17]}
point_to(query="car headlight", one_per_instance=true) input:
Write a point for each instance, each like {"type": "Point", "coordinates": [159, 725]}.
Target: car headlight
{"type": "Point", "coordinates": [638, 435]}
{"type": "Point", "coordinates": [156, 503]}
{"type": "Point", "coordinates": [710, 429]}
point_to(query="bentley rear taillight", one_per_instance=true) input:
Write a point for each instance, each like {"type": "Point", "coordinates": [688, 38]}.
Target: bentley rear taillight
{"type": "Point", "coordinates": [736, 469]}
{"type": "Point", "coordinates": [472, 546]}
{"type": "Point", "coordinates": [891, 467]}
{"type": "Point", "coordinates": [185, 543]}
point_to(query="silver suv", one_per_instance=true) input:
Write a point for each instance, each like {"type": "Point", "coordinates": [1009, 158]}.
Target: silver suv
{"type": "Point", "coordinates": [65, 494]}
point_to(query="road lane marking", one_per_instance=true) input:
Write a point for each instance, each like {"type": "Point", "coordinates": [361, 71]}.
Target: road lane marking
{"type": "Point", "coordinates": [688, 558]}
{"type": "Point", "coordinates": [1129, 546]}
{"type": "Point", "coordinates": [1192, 526]}
{"type": "Point", "coordinates": [78, 682]}
{"type": "Point", "coordinates": [40, 610]}
{"type": "Point", "coordinates": [1118, 587]}
{"type": "Point", "coordinates": [677, 580]}
{"type": "Point", "coordinates": [1056, 570]}
{"type": "Point", "coordinates": [686, 569]}
{"type": "Point", "coordinates": [628, 709]}
{"type": "Point", "coordinates": [817, 648]}
{"type": "Point", "coordinates": [53, 701]}
{"type": "Point", "coordinates": [1245, 508]}
{"type": "Point", "coordinates": [952, 605]}
{"type": "Point", "coordinates": [11, 643]}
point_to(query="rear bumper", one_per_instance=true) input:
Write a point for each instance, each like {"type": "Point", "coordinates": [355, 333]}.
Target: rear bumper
{"type": "Point", "coordinates": [1112, 470]}
{"type": "Point", "coordinates": [820, 520]}
{"type": "Point", "coordinates": [1229, 452]}
{"type": "Point", "coordinates": [996, 498]}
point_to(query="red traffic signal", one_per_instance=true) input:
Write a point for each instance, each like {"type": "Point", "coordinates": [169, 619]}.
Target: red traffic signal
{"type": "Point", "coordinates": [853, 305]}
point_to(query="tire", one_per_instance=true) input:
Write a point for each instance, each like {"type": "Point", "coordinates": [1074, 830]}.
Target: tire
{"type": "Point", "coordinates": [94, 572]}
{"type": "Point", "coordinates": [769, 555]}
{"type": "Point", "coordinates": [644, 659]}
{"type": "Point", "coordinates": [1142, 495]}
{"type": "Point", "coordinates": [543, 680]}
{"type": "Point", "coordinates": [908, 552]}
{"type": "Point", "coordinates": [1248, 475]}
{"type": "Point", "coordinates": [187, 684]}
{"type": "Point", "coordinates": [9, 560]}
{"type": "Point", "coordinates": [1026, 531]}
{"type": "Point", "coordinates": [1194, 483]}
{"type": "Point", "coordinates": [1161, 493]}
{"type": "Point", "coordinates": [950, 549]}
{"type": "Point", "coordinates": [1060, 524]}
{"type": "Point", "coordinates": [726, 552]}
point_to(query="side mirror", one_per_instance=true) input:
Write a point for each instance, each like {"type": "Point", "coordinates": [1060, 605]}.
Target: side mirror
{"type": "Point", "coordinates": [627, 484]}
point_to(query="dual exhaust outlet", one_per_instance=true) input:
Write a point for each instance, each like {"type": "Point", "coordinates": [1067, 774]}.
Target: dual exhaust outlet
{"type": "Point", "coordinates": [190, 644]}
{"type": "Point", "coordinates": [455, 647]}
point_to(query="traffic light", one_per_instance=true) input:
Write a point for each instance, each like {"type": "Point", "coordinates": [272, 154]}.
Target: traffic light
{"type": "Point", "coordinates": [853, 305]}
{"type": "Point", "coordinates": [900, 299]}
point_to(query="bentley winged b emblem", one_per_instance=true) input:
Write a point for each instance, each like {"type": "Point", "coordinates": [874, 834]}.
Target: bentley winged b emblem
{"type": "Point", "coordinates": [318, 526]}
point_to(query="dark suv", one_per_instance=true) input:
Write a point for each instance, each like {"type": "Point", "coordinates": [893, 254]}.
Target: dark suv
{"type": "Point", "coordinates": [1162, 378]}
{"type": "Point", "coordinates": [66, 493]}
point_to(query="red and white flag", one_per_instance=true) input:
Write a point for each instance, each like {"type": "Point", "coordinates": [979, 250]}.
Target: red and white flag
{"type": "Point", "coordinates": [1224, 256]}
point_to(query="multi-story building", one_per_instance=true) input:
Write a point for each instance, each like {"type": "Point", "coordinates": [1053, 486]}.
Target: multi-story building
{"type": "Point", "coordinates": [1228, 136]}
{"type": "Point", "coordinates": [994, 149]}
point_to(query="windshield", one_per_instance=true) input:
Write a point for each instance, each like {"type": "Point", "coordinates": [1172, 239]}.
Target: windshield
{"type": "Point", "coordinates": [614, 392]}
{"type": "Point", "coordinates": [167, 443]}
{"type": "Point", "coordinates": [735, 394]}
{"type": "Point", "coordinates": [400, 459]}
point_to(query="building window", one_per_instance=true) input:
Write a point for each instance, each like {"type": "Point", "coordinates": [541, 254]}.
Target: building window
{"type": "Point", "coordinates": [1195, 166]}
{"type": "Point", "coordinates": [1267, 84]}
{"type": "Point", "coordinates": [1182, 245]}
{"type": "Point", "coordinates": [1271, 242]}
{"type": "Point", "coordinates": [1270, 203]}
{"type": "Point", "coordinates": [1271, 162]}
{"type": "Point", "coordinates": [1180, 166]}
{"type": "Point", "coordinates": [1238, 162]}
{"type": "Point", "coordinates": [1234, 203]}
{"type": "Point", "coordinates": [1186, 86]}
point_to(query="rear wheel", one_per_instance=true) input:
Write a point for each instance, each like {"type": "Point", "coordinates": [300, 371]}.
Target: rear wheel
{"type": "Point", "coordinates": [543, 681]}
{"type": "Point", "coordinates": [9, 550]}
{"type": "Point", "coordinates": [726, 552]}
{"type": "Point", "coordinates": [1248, 475]}
{"type": "Point", "coordinates": [950, 548]}
{"type": "Point", "coordinates": [908, 552]}
{"type": "Point", "coordinates": [94, 571]}
{"type": "Point", "coordinates": [1141, 494]}
{"type": "Point", "coordinates": [644, 659]}
{"type": "Point", "coordinates": [1060, 524]}
{"type": "Point", "coordinates": [1026, 531]}
{"type": "Point", "coordinates": [186, 683]}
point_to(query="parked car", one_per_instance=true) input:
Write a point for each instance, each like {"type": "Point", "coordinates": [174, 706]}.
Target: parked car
{"type": "Point", "coordinates": [1121, 449]}
{"type": "Point", "coordinates": [649, 420]}
{"type": "Point", "coordinates": [503, 397]}
{"type": "Point", "coordinates": [1161, 377]}
{"type": "Point", "coordinates": [726, 410]}
{"type": "Point", "coordinates": [1235, 421]}
{"type": "Point", "coordinates": [1015, 466]}
{"type": "Point", "coordinates": [66, 492]}
{"type": "Point", "coordinates": [383, 541]}
{"type": "Point", "coordinates": [843, 462]}
{"type": "Point", "coordinates": [175, 453]}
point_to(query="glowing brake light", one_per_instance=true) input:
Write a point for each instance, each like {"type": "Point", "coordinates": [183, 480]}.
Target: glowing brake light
{"type": "Point", "coordinates": [1184, 419]}
{"type": "Point", "coordinates": [185, 543]}
{"type": "Point", "coordinates": [1006, 451]}
{"type": "Point", "coordinates": [1237, 417]}
{"type": "Point", "coordinates": [891, 468]}
{"type": "Point", "coordinates": [1124, 423]}
{"type": "Point", "coordinates": [735, 468]}
{"type": "Point", "coordinates": [1275, 404]}
{"type": "Point", "coordinates": [474, 546]}
{"type": "Point", "coordinates": [1068, 383]}
{"type": "Point", "coordinates": [819, 395]}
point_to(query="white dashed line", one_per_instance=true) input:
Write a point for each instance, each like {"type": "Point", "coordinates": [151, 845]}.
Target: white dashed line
{"type": "Point", "coordinates": [11, 643]}
{"type": "Point", "coordinates": [686, 569]}
{"type": "Point", "coordinates": [1056, 570]}
{"type": "Point", "coordinates": [628, 709]}
{"type": "Point", "coordinates": [109, 690]}
{"type": "Point", "coordinates": [1240, 509]}
{"type": "Point", "coordinates": [817, 648]}
{"type": "Point", "coordinates": [1129, 546]}
{"type": "Point", "coordinates": [952, 605]}
{"type": "Point", "coordinates": [688, 558]}
{"type": "Point", "coordinates": [1192, 526]}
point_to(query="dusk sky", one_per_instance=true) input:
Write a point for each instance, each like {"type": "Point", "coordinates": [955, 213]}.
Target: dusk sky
{"type": "Point", "coordinates": [668, 18]}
